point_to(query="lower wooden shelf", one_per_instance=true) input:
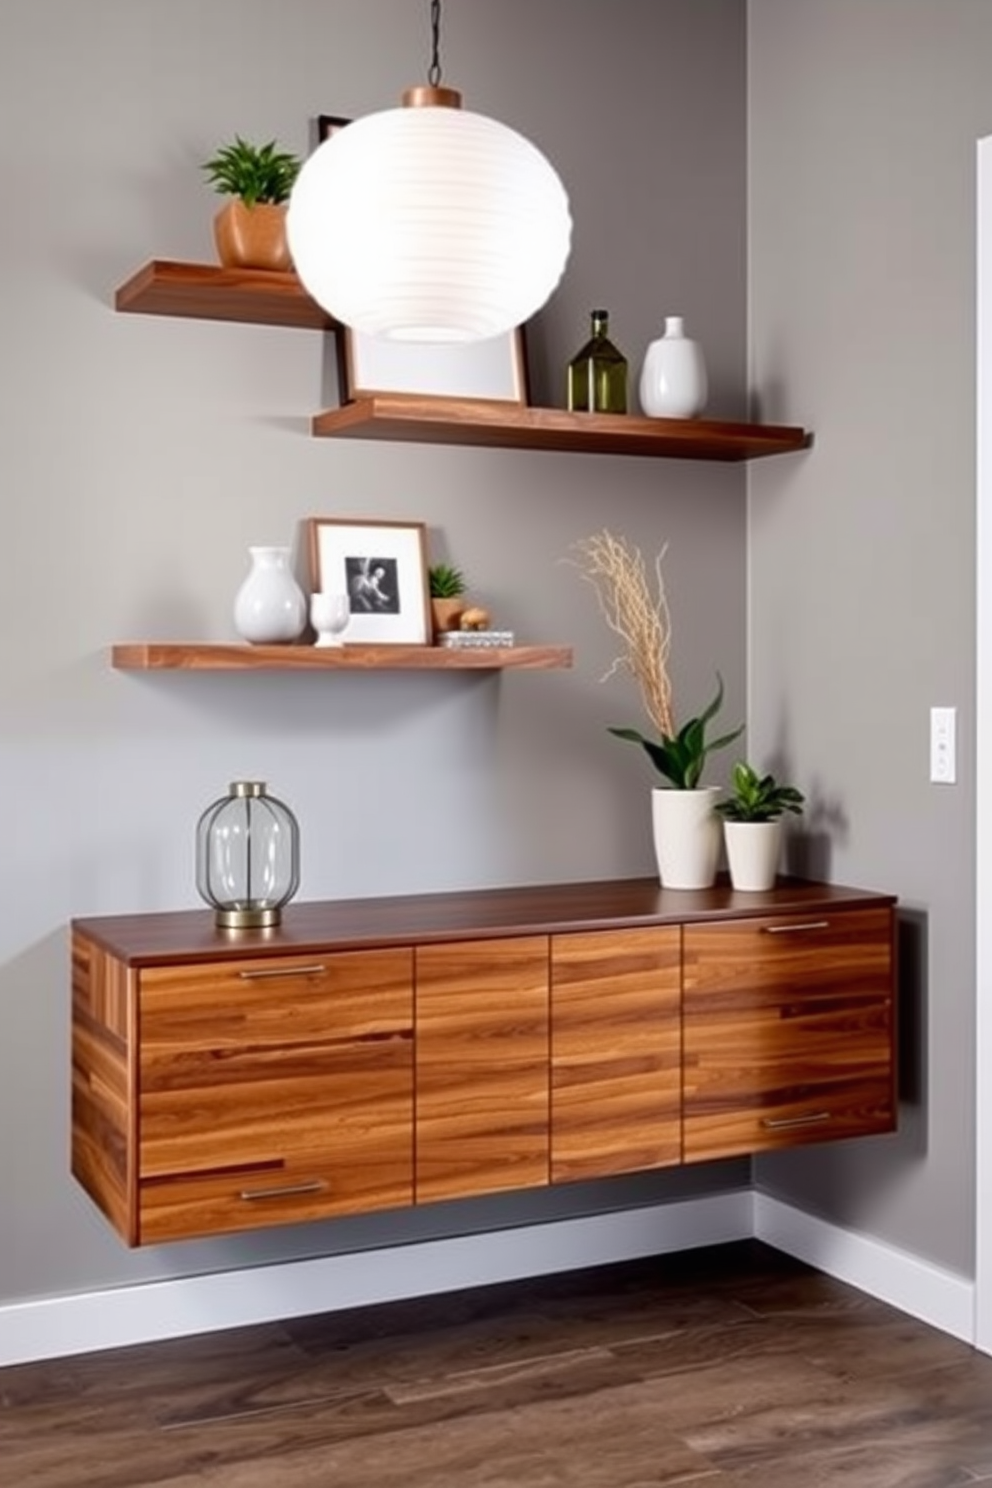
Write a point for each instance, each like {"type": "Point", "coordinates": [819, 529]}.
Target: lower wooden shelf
{"type": "Point", "coordinates": [154, 656]}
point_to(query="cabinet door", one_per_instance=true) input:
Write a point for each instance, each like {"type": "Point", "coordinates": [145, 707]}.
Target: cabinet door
{"type": "Point", "coordinates": [616, 1078]}
{"type": "Point", "coordinates": [788, 1031]}
{"type": "Point", "coordinates": [274, 1090]}
{"type": "Point", "coordinates": [482, 1066]}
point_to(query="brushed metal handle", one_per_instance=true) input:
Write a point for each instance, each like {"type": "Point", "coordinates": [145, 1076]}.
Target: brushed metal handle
{"type": "Point", "coordinates": [281, 971]}
{"type": "Point", "coordinates": [780, 1123]}
{"type": "Point", "coordinates": [791, 929]}
{"type": "Point", "coordinates": [289, 1190]}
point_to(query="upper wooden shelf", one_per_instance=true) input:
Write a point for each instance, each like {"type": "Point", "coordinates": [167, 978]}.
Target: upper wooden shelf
{"type": "Point", "coordinates": [153, 656]}
{"type": "Point", "coordinates": [210, 292]}
{"type": "Point", "coordinates": [261, 297]}
{"type": "Point", "coordinates": [509, 426]}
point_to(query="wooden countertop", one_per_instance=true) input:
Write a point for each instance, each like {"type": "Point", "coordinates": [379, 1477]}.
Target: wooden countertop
{"type": "Point", "coordinates": [538, 909]}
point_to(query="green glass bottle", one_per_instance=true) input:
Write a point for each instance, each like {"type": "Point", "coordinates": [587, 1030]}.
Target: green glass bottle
{"type": "Point", "coordinates": [597, 375]}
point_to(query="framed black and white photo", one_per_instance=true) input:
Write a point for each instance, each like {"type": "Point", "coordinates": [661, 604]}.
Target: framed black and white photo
{"type": "Point", "coordinates": [491, 369]}
{"type": "Point", "coordinates": [382, 567]}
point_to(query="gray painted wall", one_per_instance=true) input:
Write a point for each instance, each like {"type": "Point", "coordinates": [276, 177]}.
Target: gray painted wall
{"type": "Point", "coordinates": [863, 118]}
{"type": "Point", "coordinates": [141, 456]}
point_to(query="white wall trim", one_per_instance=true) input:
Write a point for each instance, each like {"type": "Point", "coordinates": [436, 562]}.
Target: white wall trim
{"type": "Point", "coordinates": [59, 1326]}
{"type": "Point", "coordinates": [983, 784]}
{"type": "Point", "coordinates": [925, 1291]}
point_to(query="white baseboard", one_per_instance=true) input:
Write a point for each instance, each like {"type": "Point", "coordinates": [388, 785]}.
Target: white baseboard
{"type": "Point", "coordinates": [925, 1291]}
{"type": "Point", "coordinates": [55, 1327]}
{"type": "Point", "coordinates": [59, 1326]}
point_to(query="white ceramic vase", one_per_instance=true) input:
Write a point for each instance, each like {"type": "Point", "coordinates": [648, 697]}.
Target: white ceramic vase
{"type": "Point", "coordinates": [753, 850]}
{"type": "Point", "coordinates": [686, 836]}
{"type": "Point", "coordinates": [673, 380]}
{"type": "Point", "coordinates": [270, 607]}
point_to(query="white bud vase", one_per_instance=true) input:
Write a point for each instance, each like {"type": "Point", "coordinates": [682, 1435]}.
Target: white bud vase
{"type": "Point", "coordinates": [673, 378]}
{"type": "Point", "coordinates": [270, 606]}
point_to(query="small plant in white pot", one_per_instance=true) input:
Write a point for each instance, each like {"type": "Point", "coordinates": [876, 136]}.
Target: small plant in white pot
{"type": "Point", "coordinates": [752, 826]}
{"type": "Point", "coordinates": [685, 827]}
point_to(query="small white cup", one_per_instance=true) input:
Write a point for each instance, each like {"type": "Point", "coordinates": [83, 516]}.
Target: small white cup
{"type": "Point", "coordinates": [329, 616]}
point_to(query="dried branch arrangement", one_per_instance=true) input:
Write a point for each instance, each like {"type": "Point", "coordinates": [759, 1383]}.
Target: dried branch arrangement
{"type": "Point", "coordinates": [638, 615]}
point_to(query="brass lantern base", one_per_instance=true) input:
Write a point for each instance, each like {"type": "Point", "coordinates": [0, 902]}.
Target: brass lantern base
{"type": "Point", "coordinates": [247, 919]}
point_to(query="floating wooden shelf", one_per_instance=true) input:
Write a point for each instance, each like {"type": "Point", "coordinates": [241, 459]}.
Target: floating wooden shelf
{"type": "Point", "coordinates": [210, 292]}
{"type": "Point", "coordinates": [153, 656]}
{"type": "Point", "coordinates": [509, 426]}
{"type": "Point", "coordinates": [261, 297]}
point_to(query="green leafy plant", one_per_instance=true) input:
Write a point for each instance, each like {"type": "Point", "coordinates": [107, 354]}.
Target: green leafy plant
{"type": "Point", "coordinates": [446, 582]}
{"type": "Point", "coordinates": [758, 798]}
{"type": "Point", "coordinates": [255, 173]}
{"type": "Point", "coordinates": [681, 757]}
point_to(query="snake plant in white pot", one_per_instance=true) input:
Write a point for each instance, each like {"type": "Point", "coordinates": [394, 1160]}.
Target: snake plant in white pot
{"type": "Point", "coordinates": [752, 826]}
{"type": "Point", "coordinates": [686, 829]}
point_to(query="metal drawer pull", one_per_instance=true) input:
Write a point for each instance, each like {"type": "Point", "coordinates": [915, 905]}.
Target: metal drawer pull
{"type": "Point", "coordinates": [780, 1123]}
{"type": "Point", "coordinates": [281, 971]}
{"type": "Point", "coordinates": [791, 929]}
{"type": "Point", "coordinates": [291, 1190]}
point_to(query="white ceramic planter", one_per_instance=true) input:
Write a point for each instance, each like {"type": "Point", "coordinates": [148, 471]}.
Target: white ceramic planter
{"type": "Point", "coordinates": [753, 850]}
{"type": "Point", "coordinates": [686, 836]}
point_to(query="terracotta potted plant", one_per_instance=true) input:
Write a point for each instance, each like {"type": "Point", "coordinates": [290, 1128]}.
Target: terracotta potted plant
{"type": "Point", "coordinates": [447, 590]}
{"type": "Point", "coordinates": [685, 827]}
{"type": "Point", "coordinates": [752, 826]}
{"type": "Point", "coordinates": [250, 231]}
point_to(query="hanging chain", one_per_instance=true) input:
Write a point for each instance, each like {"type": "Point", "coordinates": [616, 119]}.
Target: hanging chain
{"type": "Point", "coordinates": [434, 71]}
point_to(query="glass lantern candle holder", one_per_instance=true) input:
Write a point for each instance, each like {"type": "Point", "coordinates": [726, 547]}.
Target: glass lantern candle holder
{"type": "Point", "coordinates": [247, 857]}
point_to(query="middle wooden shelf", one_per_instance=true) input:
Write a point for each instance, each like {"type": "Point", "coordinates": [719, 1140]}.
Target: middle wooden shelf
{"type": "Point", "coordinates": [156, 656]}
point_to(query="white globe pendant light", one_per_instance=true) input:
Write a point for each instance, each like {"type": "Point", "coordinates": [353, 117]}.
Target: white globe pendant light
{"type": "Point", "coordinates": [429, 222]}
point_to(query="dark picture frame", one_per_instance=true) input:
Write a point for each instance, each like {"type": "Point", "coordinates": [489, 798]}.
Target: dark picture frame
{"type": "Point", "coordinates": [382, 567]}
{"type": "Point", "coordinates": [328, 124]}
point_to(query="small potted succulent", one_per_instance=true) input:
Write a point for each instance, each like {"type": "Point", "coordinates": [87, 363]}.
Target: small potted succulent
{"type": "Point", "coordinates": [447, 590]}
{"type": "Point", "coordinates": [250, 231]}
{"type": "Point", "coordinates": [752, 825]}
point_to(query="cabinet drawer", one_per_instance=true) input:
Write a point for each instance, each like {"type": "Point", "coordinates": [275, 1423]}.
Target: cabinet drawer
{"type": "Point", "coordinates": [788, 1032]}
{"type": "Point", "coordinates": [274, 1001]}
{"type": "Point", "coordinates": [352, 1181]}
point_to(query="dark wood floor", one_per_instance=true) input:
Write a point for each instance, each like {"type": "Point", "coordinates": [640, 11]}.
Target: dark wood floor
{"type": "Point", "coordinates": [728, 1368]}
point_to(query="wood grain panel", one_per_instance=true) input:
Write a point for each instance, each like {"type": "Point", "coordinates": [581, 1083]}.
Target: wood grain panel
{"type": "Point", "coordinates": [789, 1032]}
{"type": "Point", "coordinates": [482, 1066]}
{"type": "Point", "coordinates": [102, 1101]}
{"type": "Point", "coordinates": [615, 1052]}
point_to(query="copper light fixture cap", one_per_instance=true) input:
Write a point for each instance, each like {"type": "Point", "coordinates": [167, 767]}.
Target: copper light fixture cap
{"type": "Point", "coordinates": [429, 95]}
